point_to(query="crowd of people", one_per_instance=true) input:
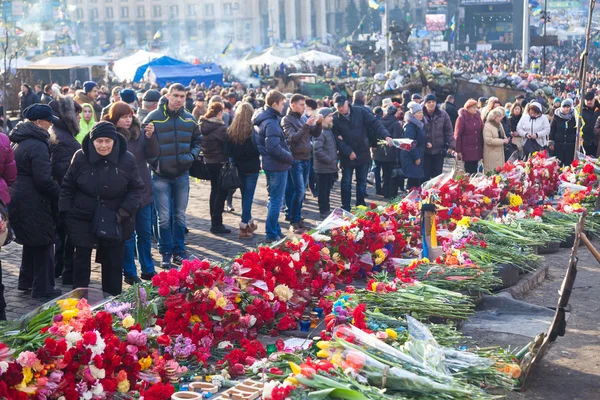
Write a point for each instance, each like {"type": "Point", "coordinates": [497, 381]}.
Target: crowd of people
{"type": "Point", "coordinates": [87, 168]}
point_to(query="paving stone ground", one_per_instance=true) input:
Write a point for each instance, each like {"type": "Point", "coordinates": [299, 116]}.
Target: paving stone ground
{"type": "Point", "coordinates": [200, 242]}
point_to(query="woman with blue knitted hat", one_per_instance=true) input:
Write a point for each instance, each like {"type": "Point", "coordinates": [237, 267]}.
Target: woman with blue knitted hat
{"type": "Point", "coordinates": [99, 197]}
{"type": "Point", "coordinates": [88, 95]}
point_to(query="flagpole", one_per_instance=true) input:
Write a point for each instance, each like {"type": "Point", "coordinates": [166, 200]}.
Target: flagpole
{"type": "Point", "coordinates": [386, 32]}
{"type": "Point", "coordinates": [583, 74]}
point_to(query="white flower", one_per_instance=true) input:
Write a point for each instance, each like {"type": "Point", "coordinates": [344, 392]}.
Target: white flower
{"type": "Point", "coordinates": [87, 395]}
{"type": "Point", "coordinates": [157, 328]}
{"type": "Point", "coordinates": [252, 321]}
{"type": "Point", "coordinates": [296, 257]}
{"type": "Point", "coordinates": [98, 348]}
{"type": "Point", "coordinates": [72, 338]}
{"type": "Point", "coordinates": [268, 389]}
{"type": "Point", "coordinates": [3, 367]}
{"type": "Point", "coordinates": [258, 366]}
{"type": "Point", "coordinates": [97, 372]}
{"type": "Point", "coordinates": [225, 344]}
{"type": "Point", "coordinates": [321, 238]}
{"type": "Point", "coordinates": [283, 292]}
{"type": "Point", "coordinates": [359, 236]}
{"type": "Point", "coordinates": [98, 390]}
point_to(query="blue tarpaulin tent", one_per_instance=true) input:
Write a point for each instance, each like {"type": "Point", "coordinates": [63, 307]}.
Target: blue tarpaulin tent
{"type": "Point", "coordinates": [203, 73]}
{"type": "Point", "coordinates": [161, 61]}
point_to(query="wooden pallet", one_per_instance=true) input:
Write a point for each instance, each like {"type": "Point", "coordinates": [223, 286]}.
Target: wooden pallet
{"type": "Point", "coordinates": [246, 390]}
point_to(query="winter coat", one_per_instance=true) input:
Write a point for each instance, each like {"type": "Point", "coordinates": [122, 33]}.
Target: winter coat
{"type": "Point", "coordinates": [8, 168]}
{"type": "Point", "coordinates": [85, 127]}
{"type": "Point", "coordinates": [113, 179]}
{"type": "Point", "coordinates": [385, 153]}
{"type": "Point", "coordinates": [439, 131]}
{"type": "Point", "coordinates": [214, 137]}
{"type": "Point", "coordinates": [513, 122]}
{"type": "Point", "coordinates": [298, 133]}
{"type": "Point", "coordinates": [82, 98]}
{"type": "Point", "coordinates": [178, 137]}
{"type": "Point", "coordinates": [45, 98]}
{"type": "Point", "coordinates": [245, 156]}
{"type": "Point", "coordinates": [563, 134]}
{"type": "Point", "coordinates": [469, 135]}
{"type": "Point", "coordinates": [451, 110]}
{"type": "Point", "coordinates": [325, 153]}
{"type": "Point", "coordinates": [35, 192]}
{"type": "Point", "coordinates": [28, 99]}
{"type": "Point", "coordinates": [63, 142]}
{"type": "Point", "coordinates": [270, 140]}
{"type": "Point", "coordinates": [415, 130]}
{"type": "Point", "coordinates": [143, 149]}
{"type": "Point", "coordinates": [350, 132]}
{"type": "Point", "coordinates": [141, 114]}
{"type": "Point", "coordinates": [539, 126]}
{"type": "Point", "coordinates": [493, 146]}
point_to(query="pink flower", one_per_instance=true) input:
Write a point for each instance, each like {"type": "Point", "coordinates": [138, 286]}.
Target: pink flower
{"type": "Point", "coordinates": [27, 359]}
{"type": "Point", "coordinates": [137, 338]}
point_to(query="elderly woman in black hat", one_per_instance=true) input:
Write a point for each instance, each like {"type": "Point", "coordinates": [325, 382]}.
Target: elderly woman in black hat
{"type": "Point", "coordinates": [99, 197]}
{"type": "Point", "coordinates": [33, 197]}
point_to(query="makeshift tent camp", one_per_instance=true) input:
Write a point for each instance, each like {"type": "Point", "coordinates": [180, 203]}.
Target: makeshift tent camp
{"type": "Point", "coordinates": [184, 74]}
{"type": "Point", "coordinates": [267, 58]}
{"type": "Point", "coordinates": [164, 61]}
{"type": "Point", "coordinates": [125, 68]}
{"type": "Point", "coordinates": [318, 57]}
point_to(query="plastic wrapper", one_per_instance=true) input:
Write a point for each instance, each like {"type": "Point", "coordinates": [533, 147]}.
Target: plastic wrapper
{"type": "Point", "coordinates": [404, 144]}
{"type": "Point", "coordinates": [436, 183]}
{"type": "Point", "coordinates": [571, 187]}
{"type": "Point", "coordinates": [338, 218]}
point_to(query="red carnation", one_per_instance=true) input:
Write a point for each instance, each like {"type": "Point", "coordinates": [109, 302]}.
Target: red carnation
{"type": "Point", "coordinates": [163, 340]}
{"type": "Point", "coordinates": [90, 338]}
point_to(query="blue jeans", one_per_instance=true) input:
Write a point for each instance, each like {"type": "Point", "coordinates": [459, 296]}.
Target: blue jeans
{"type": "Point", "coordinates": [361, 185]}
{"type": "Point", "coordinates": [142, 239]}
{"type": "Point", "coordinates": [277, 184]}
{"type": "Point", "coordinates": [167, 192]}
{"type": "Point", "coordinates": [299, 174]}
{"type": "Point", "coordinates": [248, 187]}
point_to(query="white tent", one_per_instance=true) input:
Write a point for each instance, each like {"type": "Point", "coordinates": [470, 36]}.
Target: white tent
{"type": "Point", "coordinates": [318, 57]}
{"type": "Point", "coordinates": [79, 61]}
{"type": "Point", "coordinates": [125, 68]}
{"type": "Point", "coordinates": [15, 64]}
{"type": "Point", "coordinates": [266, 58]}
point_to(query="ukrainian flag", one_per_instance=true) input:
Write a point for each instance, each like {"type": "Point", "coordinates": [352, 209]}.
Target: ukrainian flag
{"type": "Point", "coordinates": [374, 4]}
{"type": "Point", "coordinates": [157, 35]}
{"type": "Point", "coordinates": [226, 49]}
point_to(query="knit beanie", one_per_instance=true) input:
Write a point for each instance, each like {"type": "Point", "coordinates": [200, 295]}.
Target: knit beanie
{"type": "Point", "coordinates": [88, 86]}
{"type": "Point", "coordinates": [103, 129]}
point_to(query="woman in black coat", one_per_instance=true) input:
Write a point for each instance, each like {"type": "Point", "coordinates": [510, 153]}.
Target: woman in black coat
{"type": "Point", "coordinates": [143, 146]}
{"type": "Point", "coordinates": [102, 172]}
{"type": "Point", "coordinates": [27, 98]}
{"type": "Point", "coordinates": [389, 157]}
{"type": "Point", "coordinates": [62, 147]}
{"type": "Point", "coordinates": [33, 199]}
{"type": "Point", "coordinates": [563, 133]}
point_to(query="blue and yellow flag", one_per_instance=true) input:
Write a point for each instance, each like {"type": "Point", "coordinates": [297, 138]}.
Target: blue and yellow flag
{"type": "Point", "coordinates": [157, 35]}
{"type": "Point", "coordinates": [374, 4]}
{"type": "Point", "coordinates": [226, 49]}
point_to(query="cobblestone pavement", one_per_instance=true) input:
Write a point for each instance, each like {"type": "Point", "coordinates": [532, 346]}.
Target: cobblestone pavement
{"type": "Point", "coordinates": [200, 242]}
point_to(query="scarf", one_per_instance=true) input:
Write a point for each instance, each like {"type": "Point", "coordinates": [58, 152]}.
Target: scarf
{"type": "Point", "coordinates": [558, 112]}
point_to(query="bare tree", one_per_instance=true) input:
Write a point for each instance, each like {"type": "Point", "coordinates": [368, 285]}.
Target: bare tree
{"type": "Point", "coordinates": [10, 52]}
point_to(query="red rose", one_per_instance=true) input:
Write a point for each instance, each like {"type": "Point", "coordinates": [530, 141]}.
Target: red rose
{"type": "Point", "coordinates": [163, 340]}
{"type": "Point", "coordinates": [237, 370]}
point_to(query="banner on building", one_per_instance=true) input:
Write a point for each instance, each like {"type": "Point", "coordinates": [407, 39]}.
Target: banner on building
{"type": "Point", "coordinates": [435, 22]}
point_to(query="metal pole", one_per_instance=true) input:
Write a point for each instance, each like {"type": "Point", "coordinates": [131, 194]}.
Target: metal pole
{"type": "Point", "coordinates": [386, 32]}
{"type": "Point", "coordinates": [583, 74]}
{"type": "Point", "coordinates": [525, 49]}
{"type": "Point", "coordinates": [545, 23]}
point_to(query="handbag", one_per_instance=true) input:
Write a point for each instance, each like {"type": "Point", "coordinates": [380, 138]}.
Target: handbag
{"type": "Point", "coordinates": [106, 224]}
{"type": "Point", "coordinates": [229, 178]}
{"type": "Point", "coordinates": [198, 169]}
{"type": "Point", "coordinates": [531, 146]}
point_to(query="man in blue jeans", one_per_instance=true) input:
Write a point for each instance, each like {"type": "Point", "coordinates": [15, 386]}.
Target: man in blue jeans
{"type": "Point", "coordinates": [179, 144]}
{"type": "Point", "coordinates": [298, 131]}
{"type": "Point", "coordinates": [350, 125]}
{"type": "Point", "coordinates": [276, 157]}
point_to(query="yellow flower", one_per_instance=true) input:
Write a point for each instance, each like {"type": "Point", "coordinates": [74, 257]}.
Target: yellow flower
{"type": "Point", "coordinates": [128, 322]}
{"type": "Point", "coordinates": [27, 376]}
{"type": "Point", "coordinates": [238, 298]}
{"type": "Point", "coordinates": [498, 179]}
{"type": "Point", "coordinates": [337, 359]}
{"type": "Point", "coordinates": [362, 208]}
{"type": "Point", "coordinates": [67, 304]}
{"type": "Point", "coordinates": [486, 200]}
{"type": "Point", "coordinates": [374, 287]}
{"type": "Point", "coordinates": [221, 302]}
{"type": "Point", "coordinates": [323, 345]}
{"type": "Point", "coordinates": [283, 292]}
{"type": "Point", "coordinates": [145, 363]}
{"type": "Point", "coordinates": [68, 314]}
{"type": "Point", "coordinates": [425, 260]}
{"type": "Point", "coordinates": [515, 200]}
{"type": "Point", "coordinates": [123, 386]}
{"type": "Point", "coordinates": [336, 257]}
{"type": "Point", "coordinates": [292, 380]}
{"type": "Point", "coordinates": [391, 333]}
{"type": "Point", "coordinates": [379, 256]}
{"type": "Point", "coordinates": [295, 368]}
{"type": "Point", "coordinates": [463, 222]}
{"type": "Point", "coordinates": [323, 354]}
{"type": "Point", "coordinates": [194, 318]}
{"type": "Point", "coordinates": [212, 294]}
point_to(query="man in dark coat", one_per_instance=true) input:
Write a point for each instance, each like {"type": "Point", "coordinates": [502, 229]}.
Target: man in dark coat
{"type": "Point", "coordinates": [298, 131]}
{"type": "Point", "coordinates": [350, 125]}
{"type": "Point", "coordinates": [179, 143]}
{"type": "Point", "coordinates": [63, 146]}
{"type": "Point", "coordinates": [33, 197]}
{"type": "Point", "coordinates": [590, 113]}
{"type": "Point", "coordinates": [440, 137]}
{"type": "Point", "coordinates": [276, 157]}
{"type": "Point", "coordinates": [103, 174]}
{"type": "Point", "coordinates": [388, 157]}
{"type": "Point", "coordinates": [450, 109]}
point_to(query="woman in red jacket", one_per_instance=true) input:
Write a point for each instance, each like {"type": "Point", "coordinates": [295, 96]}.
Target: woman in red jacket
{"type": "Point", "coordinates": [469, 136]}
{"type": "Point", "coordinates": [8, 174]}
